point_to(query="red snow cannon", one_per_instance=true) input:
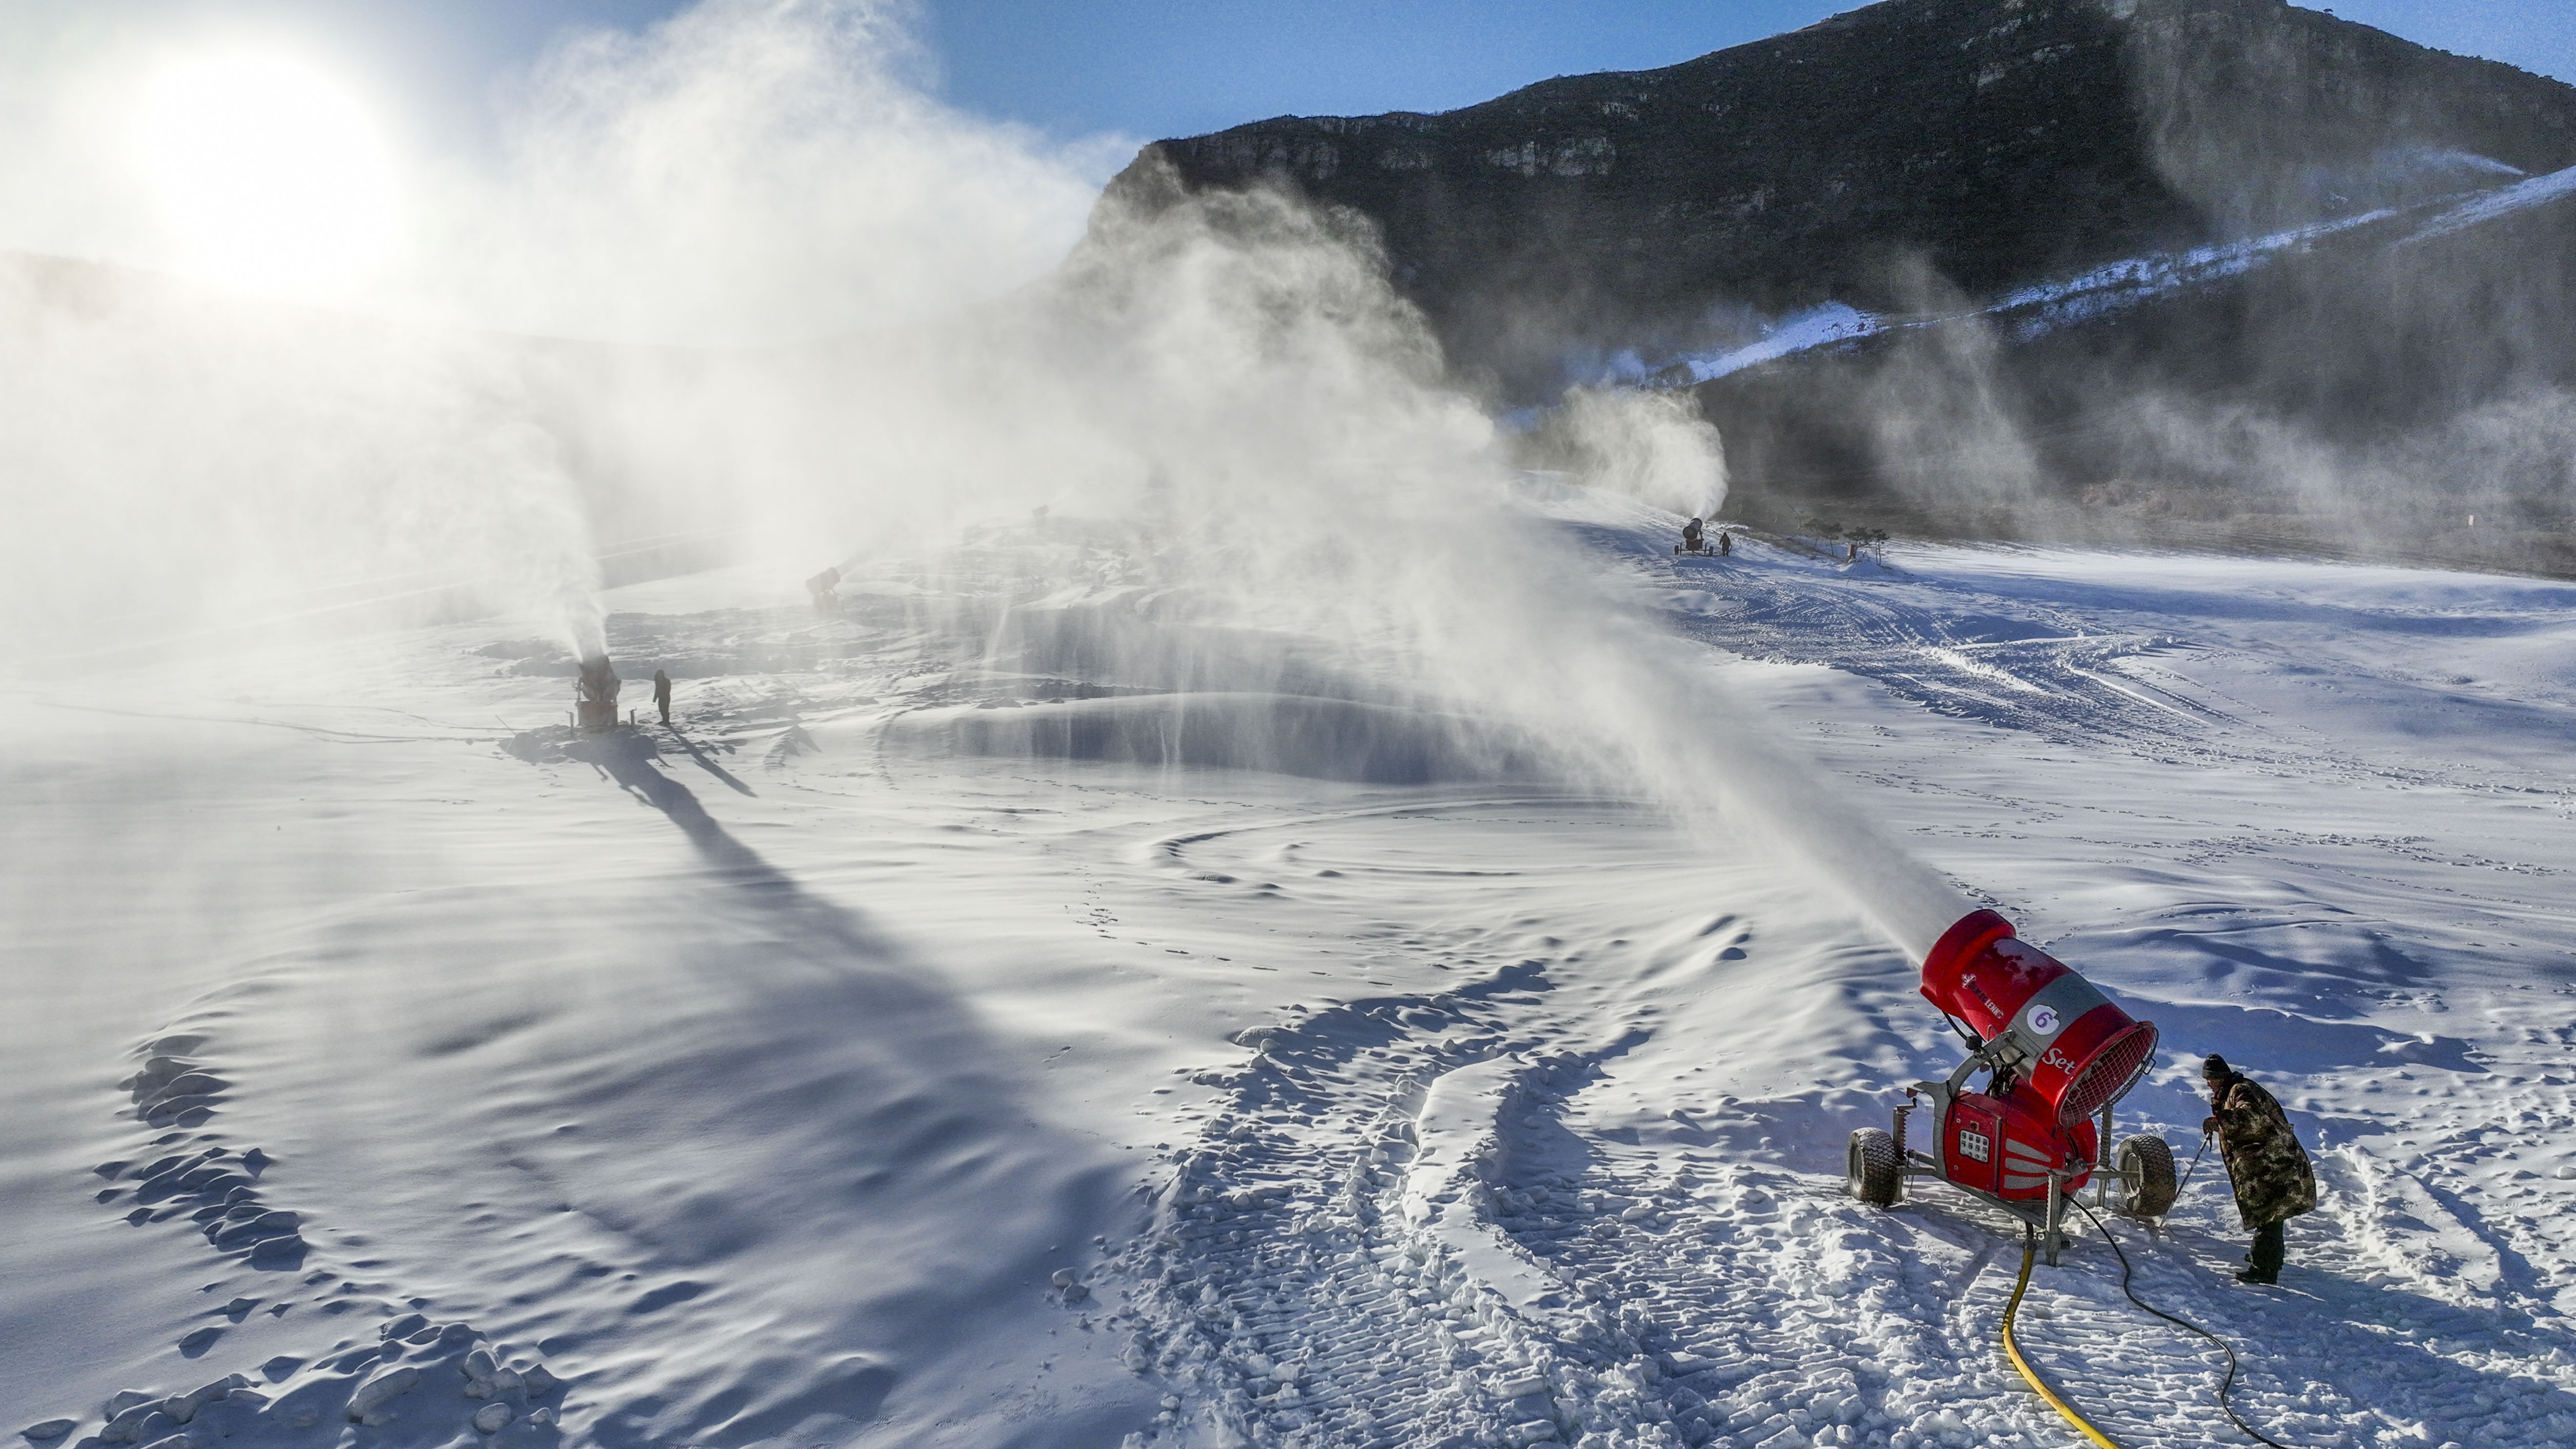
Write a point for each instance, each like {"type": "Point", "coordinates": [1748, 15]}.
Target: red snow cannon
{"type": "Point", "coordinates": [2056, 1054]}
{"type": "Point", "coordinates": [2057, 1034]}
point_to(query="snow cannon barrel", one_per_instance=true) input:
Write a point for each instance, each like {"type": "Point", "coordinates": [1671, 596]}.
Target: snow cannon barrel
{"type": "Point", "coordinates": [2062, 1037]}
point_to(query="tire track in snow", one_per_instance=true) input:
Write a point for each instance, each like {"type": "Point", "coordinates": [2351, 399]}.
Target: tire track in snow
{"type": "Point", "coordinates": [1715, 1305]}
{"type": "Point", "coordinates": [1280, 1291]}
{"type": "Point", "coordinates": [1288, 1298]}
{"type": "Point", "coordinates": [1956, 653]}
{"type": "Point", "coordinates": [1278, 1246]}
{"type": "Point", "coordinates": [1761, 1307]}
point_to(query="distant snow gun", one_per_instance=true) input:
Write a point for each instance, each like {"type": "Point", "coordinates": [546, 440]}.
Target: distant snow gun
{"type": "Point", "coordinates": [594, 697]}
{"type": "Point", "coordinates": [1695, 542]}
{"type": "Point", "coordinates": [2056, 1055]}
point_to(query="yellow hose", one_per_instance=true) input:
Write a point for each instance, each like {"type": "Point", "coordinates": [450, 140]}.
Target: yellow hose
{"type": "Point", "coordinates": [2012, 1350]}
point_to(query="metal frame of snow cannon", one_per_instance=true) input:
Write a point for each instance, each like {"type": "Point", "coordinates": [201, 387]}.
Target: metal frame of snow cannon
{"type": "Point", "coordinates": [2060, 1178]}
{"type": "Point", "coordinates": [2058, 1055]}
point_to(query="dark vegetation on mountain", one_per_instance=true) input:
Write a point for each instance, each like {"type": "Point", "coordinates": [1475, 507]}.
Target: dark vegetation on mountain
{"type": "Point", "coordinates": [1923, 161]}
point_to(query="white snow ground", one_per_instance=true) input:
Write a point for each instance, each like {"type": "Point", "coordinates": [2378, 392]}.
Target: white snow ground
{"type": "Point", "coordinates": [836, 1068]}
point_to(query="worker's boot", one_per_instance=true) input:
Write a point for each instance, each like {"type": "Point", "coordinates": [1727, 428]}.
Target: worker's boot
{"type": "Point", "coordinates": [2264, 1263]}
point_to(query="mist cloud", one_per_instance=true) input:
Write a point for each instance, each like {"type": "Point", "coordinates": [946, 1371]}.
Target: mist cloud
{"type": "Point", "coordinates": [1226, 383]}
{"type": "Point", "coordinates": [749, 171]}
{"type": "Point", "coordinates": [1651, 445]}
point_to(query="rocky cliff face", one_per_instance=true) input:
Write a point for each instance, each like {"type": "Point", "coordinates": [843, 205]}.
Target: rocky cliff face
{"type": "Point", "coordinates": [1966, 145]}
{"type": "Point", "coordinates": [1920, 160]}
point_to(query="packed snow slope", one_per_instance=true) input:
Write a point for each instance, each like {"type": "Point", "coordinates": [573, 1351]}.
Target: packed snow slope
{"type": "Point", "coordinates": [948, 1036]}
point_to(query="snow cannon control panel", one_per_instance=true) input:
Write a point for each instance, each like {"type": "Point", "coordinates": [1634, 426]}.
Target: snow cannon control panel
{"type": "Point", "coordinates": [2002, 1146]}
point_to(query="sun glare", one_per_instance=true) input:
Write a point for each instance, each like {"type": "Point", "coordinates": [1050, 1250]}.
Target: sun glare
{"type": "Point", "coordinates": [269, 173]}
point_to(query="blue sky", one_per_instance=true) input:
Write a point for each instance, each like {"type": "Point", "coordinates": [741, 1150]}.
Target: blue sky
{"type": "Point", "coordinates": [1148, 68]}
{"type": "Point", "coordinates": [1158, 68]}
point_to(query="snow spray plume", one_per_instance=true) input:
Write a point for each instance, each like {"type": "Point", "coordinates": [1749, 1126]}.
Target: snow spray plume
{"type": "Point", "coordinates": [1224, 388]}
{"type": "Point", "coordinates": [2351, 333]}
{"type": "Point", "coordinates": [1946, 426]}
{"type": "Point", "coordinates": [749, 172]}
{"type": "Point", "coordinates": [181, 464]}
{"type": "Point", "coordinates": [189, 464]}
{"type": "Point", "coordinates": [2273, 116]}
{"type": "Point", "coordinates": [1308, 475]}
{"type": "Point", "coordinates": [1258, 481]}
{"type": "Point", "coordinates": [184, 464]}
{"type": "Point", "coordinates": [1652, 446]}
{"type": "Point", "coordinates": [2386, 385]}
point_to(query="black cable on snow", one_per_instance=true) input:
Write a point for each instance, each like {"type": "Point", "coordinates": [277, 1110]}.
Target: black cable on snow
{"type": "Point", "coordinates": [2225, 1385]}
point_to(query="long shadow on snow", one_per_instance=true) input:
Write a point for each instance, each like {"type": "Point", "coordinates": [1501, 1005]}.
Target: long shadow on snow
{"type": "Point", "coordinates": [707, 763]}
{"type": "Point", "coordinates": [628, 758]}
{"type": "Point", "coordinates": [899, 1169]}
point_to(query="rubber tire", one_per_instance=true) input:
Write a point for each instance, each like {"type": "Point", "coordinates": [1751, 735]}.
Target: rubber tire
{"type": "Point", "coordinates": [1873, 1171]}
{"type": "Point", "coordinates": [2146, 1167]}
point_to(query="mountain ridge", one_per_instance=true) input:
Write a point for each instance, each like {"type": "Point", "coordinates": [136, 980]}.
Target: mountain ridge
{"type": "Point", "coordinates": [1991, 143]}
{"type": "Point", "coordinates": [1936, 159]}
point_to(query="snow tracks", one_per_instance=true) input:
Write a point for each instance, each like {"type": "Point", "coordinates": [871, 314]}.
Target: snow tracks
{"type": "Point", "coordinates": [1390, 1236]}
{"type": "Point", "coordinates": [1403, 1229]}
{"type": "Point", "coordinates": [1282, 1290]}
{"type": "Point", "coordinates": [2052, 670]}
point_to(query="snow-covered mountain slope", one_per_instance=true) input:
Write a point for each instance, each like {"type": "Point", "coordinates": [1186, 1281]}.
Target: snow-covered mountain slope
{"type": "Point", "coordinates": [2002, 148]}
{"type": "Point", "coordinates": [915, 1046]}
{"type": "Point", "coordinates": [2103, 290]}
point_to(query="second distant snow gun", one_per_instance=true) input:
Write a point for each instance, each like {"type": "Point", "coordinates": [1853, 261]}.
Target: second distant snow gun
{"type": "Point", "coordinates": [2056, 1054]}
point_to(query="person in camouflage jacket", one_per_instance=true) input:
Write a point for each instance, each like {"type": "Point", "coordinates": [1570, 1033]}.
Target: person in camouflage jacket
{"type": "Point", "coordinates": [2274, 1182]}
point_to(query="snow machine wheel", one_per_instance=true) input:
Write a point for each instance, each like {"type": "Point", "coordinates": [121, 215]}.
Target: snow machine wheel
{"type": "Point", "coordinates": [1874, 1170]}
{"type": "Point", "coordinates": [2146, 1177]}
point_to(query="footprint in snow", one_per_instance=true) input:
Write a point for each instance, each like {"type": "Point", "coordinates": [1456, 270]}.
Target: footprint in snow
{"type": "Point", "coordinates": [185, 1170]}
{"type": "Point", "coordinates": [195, 1174]}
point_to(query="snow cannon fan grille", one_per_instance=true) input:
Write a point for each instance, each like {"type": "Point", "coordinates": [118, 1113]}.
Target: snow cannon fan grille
{"type": "Point", "coordinates": [2075, 1049]}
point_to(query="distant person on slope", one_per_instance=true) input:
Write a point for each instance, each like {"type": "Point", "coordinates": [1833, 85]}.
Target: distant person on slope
{"type": "Point", "coordinates": [662, 694]}
{"type": "Point", "coordinates": [2274, 1182]}
{"type": "Point", "coordinates": [1725, 543]}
